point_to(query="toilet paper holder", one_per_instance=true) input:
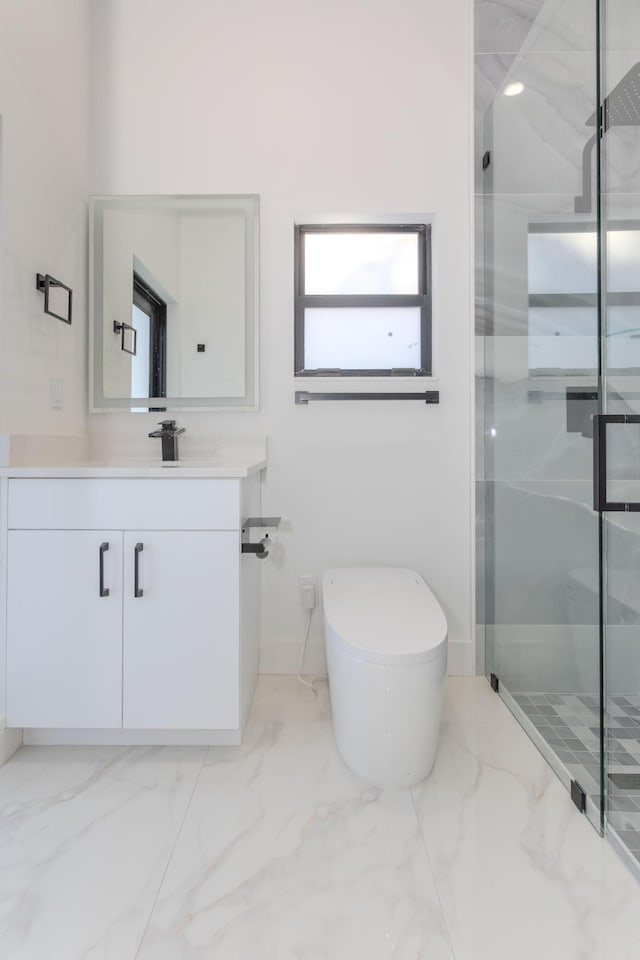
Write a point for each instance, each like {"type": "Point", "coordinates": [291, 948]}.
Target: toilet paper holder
{"type": "Point", "coordinates": [260, 548]}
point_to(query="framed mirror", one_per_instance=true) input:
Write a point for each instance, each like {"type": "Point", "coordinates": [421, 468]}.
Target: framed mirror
{"type": "Point", "coordinates": [173, 293]}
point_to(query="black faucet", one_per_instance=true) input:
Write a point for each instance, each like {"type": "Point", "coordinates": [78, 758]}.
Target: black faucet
{"type": "Point", "coordinates": [169, 434]}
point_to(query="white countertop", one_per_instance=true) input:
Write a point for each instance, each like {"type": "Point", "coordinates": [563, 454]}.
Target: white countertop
{"type": "Point", "coordinates": [211, 467]}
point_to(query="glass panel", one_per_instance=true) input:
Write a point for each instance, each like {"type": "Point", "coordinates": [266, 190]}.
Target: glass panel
{"type": "Point", "coordinates": [563, 262]}
{"type": "Point", "coordinates": [362, 338]}
{"type": "Point", "coordinates": [546, 234]}
{"type": "Point", "coordinates": [623, 259]}
{"type": "Point", "coordinates": [541, 535]}
{"type": "Point", "coordinates": [623, 339]}
{"type": "Point", "coordinates": [361, 263]}
{"type": "Point", "coordinates": [623, 463]}
{"type": "Point", "coordinates": [563, 338]}
{"type": "Point", "coordinates": [621, 535]}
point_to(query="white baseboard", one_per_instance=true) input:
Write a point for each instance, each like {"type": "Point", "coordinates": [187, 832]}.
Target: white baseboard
{"type": "Point", "coordinates": [132, 738]}
{"type": "Point", "coordinates": [282, 656]}
{"type": "Point", "coordinates": [10, 740]}
{"type": "Point", "coordinates": [481, 650]}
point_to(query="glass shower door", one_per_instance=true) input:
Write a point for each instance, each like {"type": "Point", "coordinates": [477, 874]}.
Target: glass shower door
{"type": "Point", "coordinates": [560, 399]}
{"type": "Point", "coordinates": [540, 386]}
{"type": "Point", "coordinates": [617, 450]}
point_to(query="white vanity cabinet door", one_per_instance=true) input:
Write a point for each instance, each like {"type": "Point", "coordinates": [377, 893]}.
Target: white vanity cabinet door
{"type": "Point", "coordinates": [64, 640]}
{"type": "Point", "coordinates": [180, 668]}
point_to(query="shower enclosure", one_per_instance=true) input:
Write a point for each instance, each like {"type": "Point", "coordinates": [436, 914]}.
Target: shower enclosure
{"type": "Point", "coordinates": [559, 392]}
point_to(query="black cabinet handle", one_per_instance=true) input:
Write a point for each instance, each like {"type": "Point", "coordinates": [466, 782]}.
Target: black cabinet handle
{"type": "Point", "coordinates": [104, 591]}
{"type": "Point", "coordinates": [137, 592]}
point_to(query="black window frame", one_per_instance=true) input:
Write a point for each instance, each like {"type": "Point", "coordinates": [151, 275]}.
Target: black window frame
{"type": "Point", "coordinates": [147, 300]}
{"type": "Point", "coordinates": [423, 299]}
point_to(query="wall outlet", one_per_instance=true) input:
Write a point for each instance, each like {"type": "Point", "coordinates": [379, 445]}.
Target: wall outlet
{"type": "Point", "coordinates": [308, 591]}
{"type": "Point", "coordinates": [56, 393]}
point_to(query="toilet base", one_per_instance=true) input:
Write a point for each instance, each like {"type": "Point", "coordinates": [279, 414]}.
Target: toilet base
{"type": "Point", "coordinates": [386, 718]}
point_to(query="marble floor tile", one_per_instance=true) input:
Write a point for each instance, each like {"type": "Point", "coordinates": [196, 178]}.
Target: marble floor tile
{"type": "Point", "coordinates": [272, 850]}
{"type": "Point", "coordinates": [471, 700]}
{"type": "Point", "coordinates": [519, 872]}
{"type": "Point", "coordinates": [284, 855]}
{"type": "Point", "coordinates": [85, 836]}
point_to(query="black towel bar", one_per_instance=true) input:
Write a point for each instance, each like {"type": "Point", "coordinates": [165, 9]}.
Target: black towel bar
{"type": "Point", "coordinates": [427, 396]}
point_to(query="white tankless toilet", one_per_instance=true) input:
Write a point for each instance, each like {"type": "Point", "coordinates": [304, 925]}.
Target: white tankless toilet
{"type": "Point", "coordinates": [386, 645]}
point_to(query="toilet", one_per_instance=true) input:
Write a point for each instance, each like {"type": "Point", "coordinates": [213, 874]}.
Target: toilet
{"type": "Point", "coordinates": [386, 646]}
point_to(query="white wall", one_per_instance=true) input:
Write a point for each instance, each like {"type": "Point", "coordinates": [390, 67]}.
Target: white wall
{"type": "Point", "coordinates": [360, 107]}
{"type": "Point", "coordinates": [44, 56]}
{"type": "Point", "coordinates": [44, 103]}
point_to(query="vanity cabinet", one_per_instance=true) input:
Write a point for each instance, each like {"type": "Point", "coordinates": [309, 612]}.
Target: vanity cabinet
{"type": "Point", "coordinates": [127, 606]}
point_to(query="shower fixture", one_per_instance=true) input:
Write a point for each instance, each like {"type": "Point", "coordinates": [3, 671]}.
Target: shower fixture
{"type": "Point", "coordinates": [620, 109]}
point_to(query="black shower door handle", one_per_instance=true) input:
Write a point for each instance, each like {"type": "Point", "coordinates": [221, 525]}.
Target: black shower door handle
{"type": "Point", "coordinates": [137, 550]}
{"type": "Point", "coordinates": [600, 499]}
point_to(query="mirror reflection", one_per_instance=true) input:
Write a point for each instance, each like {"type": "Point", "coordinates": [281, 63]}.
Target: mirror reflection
{"type": "Point", "coordinates": [174, 297]}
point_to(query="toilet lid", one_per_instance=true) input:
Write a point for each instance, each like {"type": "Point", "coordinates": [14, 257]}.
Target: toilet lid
{"type": "Point", "coordinates": [384, 614]}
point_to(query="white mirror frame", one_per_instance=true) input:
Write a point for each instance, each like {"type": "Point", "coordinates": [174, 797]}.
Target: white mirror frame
{"type": "Point", "coordinates": [249, 205]}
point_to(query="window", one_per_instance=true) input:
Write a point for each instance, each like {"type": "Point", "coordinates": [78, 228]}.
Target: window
{"type": "Point", "coordinates": [149, 361]}
{"type": "Point", "coordinates": [363, 300]}
{"type": "Point", "coordinates": [149, 319]}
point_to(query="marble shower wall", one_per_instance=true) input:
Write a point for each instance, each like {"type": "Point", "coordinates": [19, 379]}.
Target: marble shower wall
{"type": "Point", "coordinates": [500, 30]}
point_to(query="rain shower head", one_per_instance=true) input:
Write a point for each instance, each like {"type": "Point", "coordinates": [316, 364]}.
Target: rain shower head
{"type": "Point", "coordinates": [622, 106]}
{"type": "Point", "coordinates": [620, 109]}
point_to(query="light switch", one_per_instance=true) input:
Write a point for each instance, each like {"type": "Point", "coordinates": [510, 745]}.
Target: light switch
{"type": "Point", "coordinates": [56, 393]}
